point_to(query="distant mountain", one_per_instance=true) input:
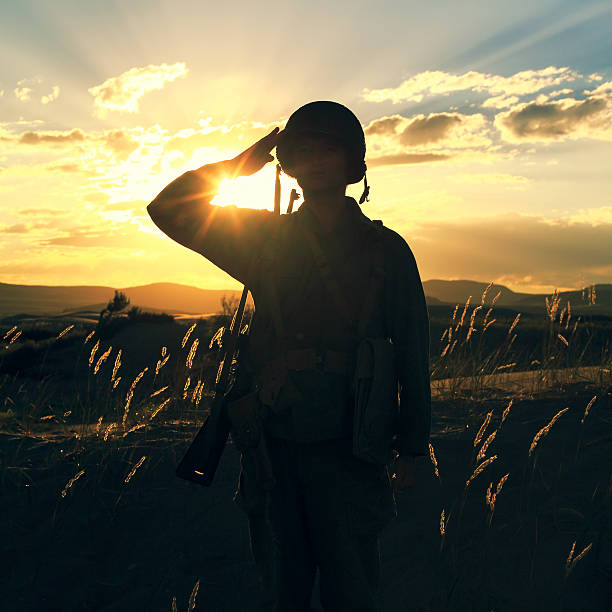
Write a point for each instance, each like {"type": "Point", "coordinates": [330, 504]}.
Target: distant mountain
{"type": "Point", "coordinates": [167, 297]}
{"type": "Point", "coordinates": [458, 291]}
{"type": "Point", "coordinates": [174, 298]}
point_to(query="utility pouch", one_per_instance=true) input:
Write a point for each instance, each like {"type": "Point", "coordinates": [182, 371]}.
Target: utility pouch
{"type": "Point", "coordinates": [376, 401]}
{"type": "Point", "coordinates": [247, 432]}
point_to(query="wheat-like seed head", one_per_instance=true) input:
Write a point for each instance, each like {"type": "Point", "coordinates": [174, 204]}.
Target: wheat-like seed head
{"type": "Point", "coordinates": [135, 428]}
{"type": "Point", "coordinates": [434, 461]}
{"type": "Point", "coordinates": [589, 405]}
{"type": "Point", "coordinates": [158, 391]}
{"type": "Point", "coordinates": [483, 449]}
{"type": "Point", "coordinates": [544, 431]}
{"type": "Point", "coordinates": [116, 366]}
{"type": "Point", "coordinates": [186, 336]}
{"type": "Point", "coordinates": [563, 339]}
{"type": "Point", "coordinates": [484, 293]}
{"type": "Point", "coordinates": [130, 395]}
{"type": "Point", "coordinates": [480, 469]}
{"type": "Point", "coordinates": [94, 350]}
{"type": "Point", "coordinates": [160, 408]}
{"type": "Point", "coordinates": [514, 323]}
{"type": "Point", "coordinates": [71, 482]}
{"type": "Point", "coordinates": [192, 352]}
{"type": "Point", "coordinates": [482, 429]}
{"type": "Point", "coordinates": [506, 411]}
{"type": "Point", "coordinates": [454, 313]}
{"type": "Point", "coordinates": [133, 471]}
{"type": "Point", "coordinates": [193, 596]}
{"type": "Point", "coordinates": [14, 338]}
{"type": "Point", "coordinates": [65, 331]}
{"type": "Point", "coordinates": [9, 332]}
{"type": "Point", "coordinates": [102, 359]}
{"type": "Point", "coordinates": [89, 336]}
{"type": "Point", "coordinates": [108, 430]}
{"type": "Point", "coordinates": [442, 523]}
{"type": "Point", "coordinates": [161, 363]}
{"type": "Point", "coordinates": [467, 303]}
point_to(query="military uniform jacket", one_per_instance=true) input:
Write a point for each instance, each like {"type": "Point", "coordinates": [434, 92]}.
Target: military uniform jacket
{"type": "Point", "coordinates": [259, 248]}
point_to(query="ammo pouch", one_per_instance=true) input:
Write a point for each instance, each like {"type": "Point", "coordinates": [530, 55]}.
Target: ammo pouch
{"type": "Point", "coordinates": [247, 432]}
{"type": "Point", "coordinates": [376, 401]}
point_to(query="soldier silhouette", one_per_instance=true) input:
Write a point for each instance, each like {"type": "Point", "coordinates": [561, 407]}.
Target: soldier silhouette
{"type": "Point", "coordinates": [323, 279]}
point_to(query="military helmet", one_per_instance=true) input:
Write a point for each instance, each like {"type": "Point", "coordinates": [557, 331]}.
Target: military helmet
{"type": "Point", "coordinates": [332, 119]}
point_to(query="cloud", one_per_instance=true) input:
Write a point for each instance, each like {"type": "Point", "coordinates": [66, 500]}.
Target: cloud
{"type": "Point", "coordinates": [560, 252]}
{"type": "Point", "coordinates": [424, 130]}
{"type": "Point", "coordinates": [124, 92]}
{"type": "Point", "coordinates": [115, 238]}
{"type": "Point", "coordinates": [120, 142]}
{"type": "Point", "coordinates": [18, 228]}
{"type": "Point", "coordinates": [502, 101]}
{"type": "Point", "coordinates": [41, 211]}
{"type": "Point", "coordinates": [424, 138]}
{"type": "Point", "coordinates": [384, 126]}
{"type": "Point", "coordinates": [51, 96]}
{"type": "Point", "coordinates": [560, 120]}
{"type": "Point", "coordinates": [23, 94]}
{"type": "Point", "coordinates": [405, 158]}
{"type": "Point", "coordinates": [510, 180]}
{"type": "Point", "coordinates": [438, 82]}
{"type": "Point", "coordinates": [51, 137]}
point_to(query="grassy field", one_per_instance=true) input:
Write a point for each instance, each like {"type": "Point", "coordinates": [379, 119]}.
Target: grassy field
{"type": "Point", "coordinates": [511, 510]}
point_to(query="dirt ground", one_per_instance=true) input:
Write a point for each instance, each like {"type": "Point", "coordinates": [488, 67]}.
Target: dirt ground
{"type": "Point", "coordinates": [105, 544]}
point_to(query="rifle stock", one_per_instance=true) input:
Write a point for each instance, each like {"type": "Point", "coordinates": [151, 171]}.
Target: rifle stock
{"type": "Point", "coordinates": [200, 462]}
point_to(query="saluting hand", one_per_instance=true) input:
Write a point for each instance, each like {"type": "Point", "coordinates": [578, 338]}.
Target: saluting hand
{"type": "Point", "coordinates": [255, 157]}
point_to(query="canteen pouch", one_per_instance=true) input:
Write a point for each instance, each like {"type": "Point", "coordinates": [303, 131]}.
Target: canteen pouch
{"type": "Point", "coordinates": [376, 401]}
{"type": "Point", "coordinates": [247, 432]}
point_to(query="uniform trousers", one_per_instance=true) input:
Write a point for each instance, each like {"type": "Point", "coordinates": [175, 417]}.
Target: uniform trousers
{"type": "Point", "coordinates": [326, 512]}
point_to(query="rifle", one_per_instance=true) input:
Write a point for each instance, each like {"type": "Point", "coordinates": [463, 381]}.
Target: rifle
{"type": "Point", "coordinates": [200, 462]}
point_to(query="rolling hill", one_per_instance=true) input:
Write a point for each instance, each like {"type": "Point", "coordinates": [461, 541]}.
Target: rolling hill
{"type": "Point", "coordinates": [174, 298]}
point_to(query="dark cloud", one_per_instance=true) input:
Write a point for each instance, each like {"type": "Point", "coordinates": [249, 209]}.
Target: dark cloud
{"type": "Point", "coordinates": [17, 228]}
{"type": "Point", "coordinates": [56, 138]}
{"type": "Point", "coordinates": [553, 120]}
{"type": "Point", "coordinates": [384, 126]}
{"type": "Point", "coordinates": [405, 158]}
{"type": "Point", "coordinates": [120, 143]}
{"type": "Point", "coordinates": [429, 129]}
{"type": "Point", "coordinates": [560, 253]}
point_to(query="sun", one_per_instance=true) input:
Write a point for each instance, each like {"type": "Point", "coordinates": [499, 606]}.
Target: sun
{"type": "Point", "coordinates": [256, 191]}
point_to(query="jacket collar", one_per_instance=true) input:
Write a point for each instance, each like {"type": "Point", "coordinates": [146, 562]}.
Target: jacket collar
{"type": "Point", "coordinates": [350, 220]}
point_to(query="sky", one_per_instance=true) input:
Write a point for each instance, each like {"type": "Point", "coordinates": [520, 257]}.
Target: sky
{"type": "Point", "coordinates": [488, 129]}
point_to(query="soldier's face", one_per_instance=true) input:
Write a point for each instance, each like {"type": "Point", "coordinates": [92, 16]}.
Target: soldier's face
{"type": "Point", "coordinates": [320, 163]}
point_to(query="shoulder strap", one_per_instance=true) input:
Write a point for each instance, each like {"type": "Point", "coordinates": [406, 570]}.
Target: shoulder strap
{"type": "Point", "coordinates": [375, 286]}
{"type": "Point", "coordinates": [326, 273]}
{"type": "Point", "coordinates": [269, 256]}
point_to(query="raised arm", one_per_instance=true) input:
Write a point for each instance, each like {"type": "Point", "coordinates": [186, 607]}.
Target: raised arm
{"type": "Point", "coordinates": [226, 235]}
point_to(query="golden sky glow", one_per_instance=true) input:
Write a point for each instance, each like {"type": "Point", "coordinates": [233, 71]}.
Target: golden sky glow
{"type": "Point", "coordinates": [490, 156]}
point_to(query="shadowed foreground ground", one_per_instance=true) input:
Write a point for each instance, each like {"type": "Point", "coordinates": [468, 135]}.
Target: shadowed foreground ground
{"type": "Point", "coordinates": [116, 546]}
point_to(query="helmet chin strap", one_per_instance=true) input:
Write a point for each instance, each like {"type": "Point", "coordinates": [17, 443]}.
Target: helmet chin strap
{"type": "Point", "coordinates": [365, 196]}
